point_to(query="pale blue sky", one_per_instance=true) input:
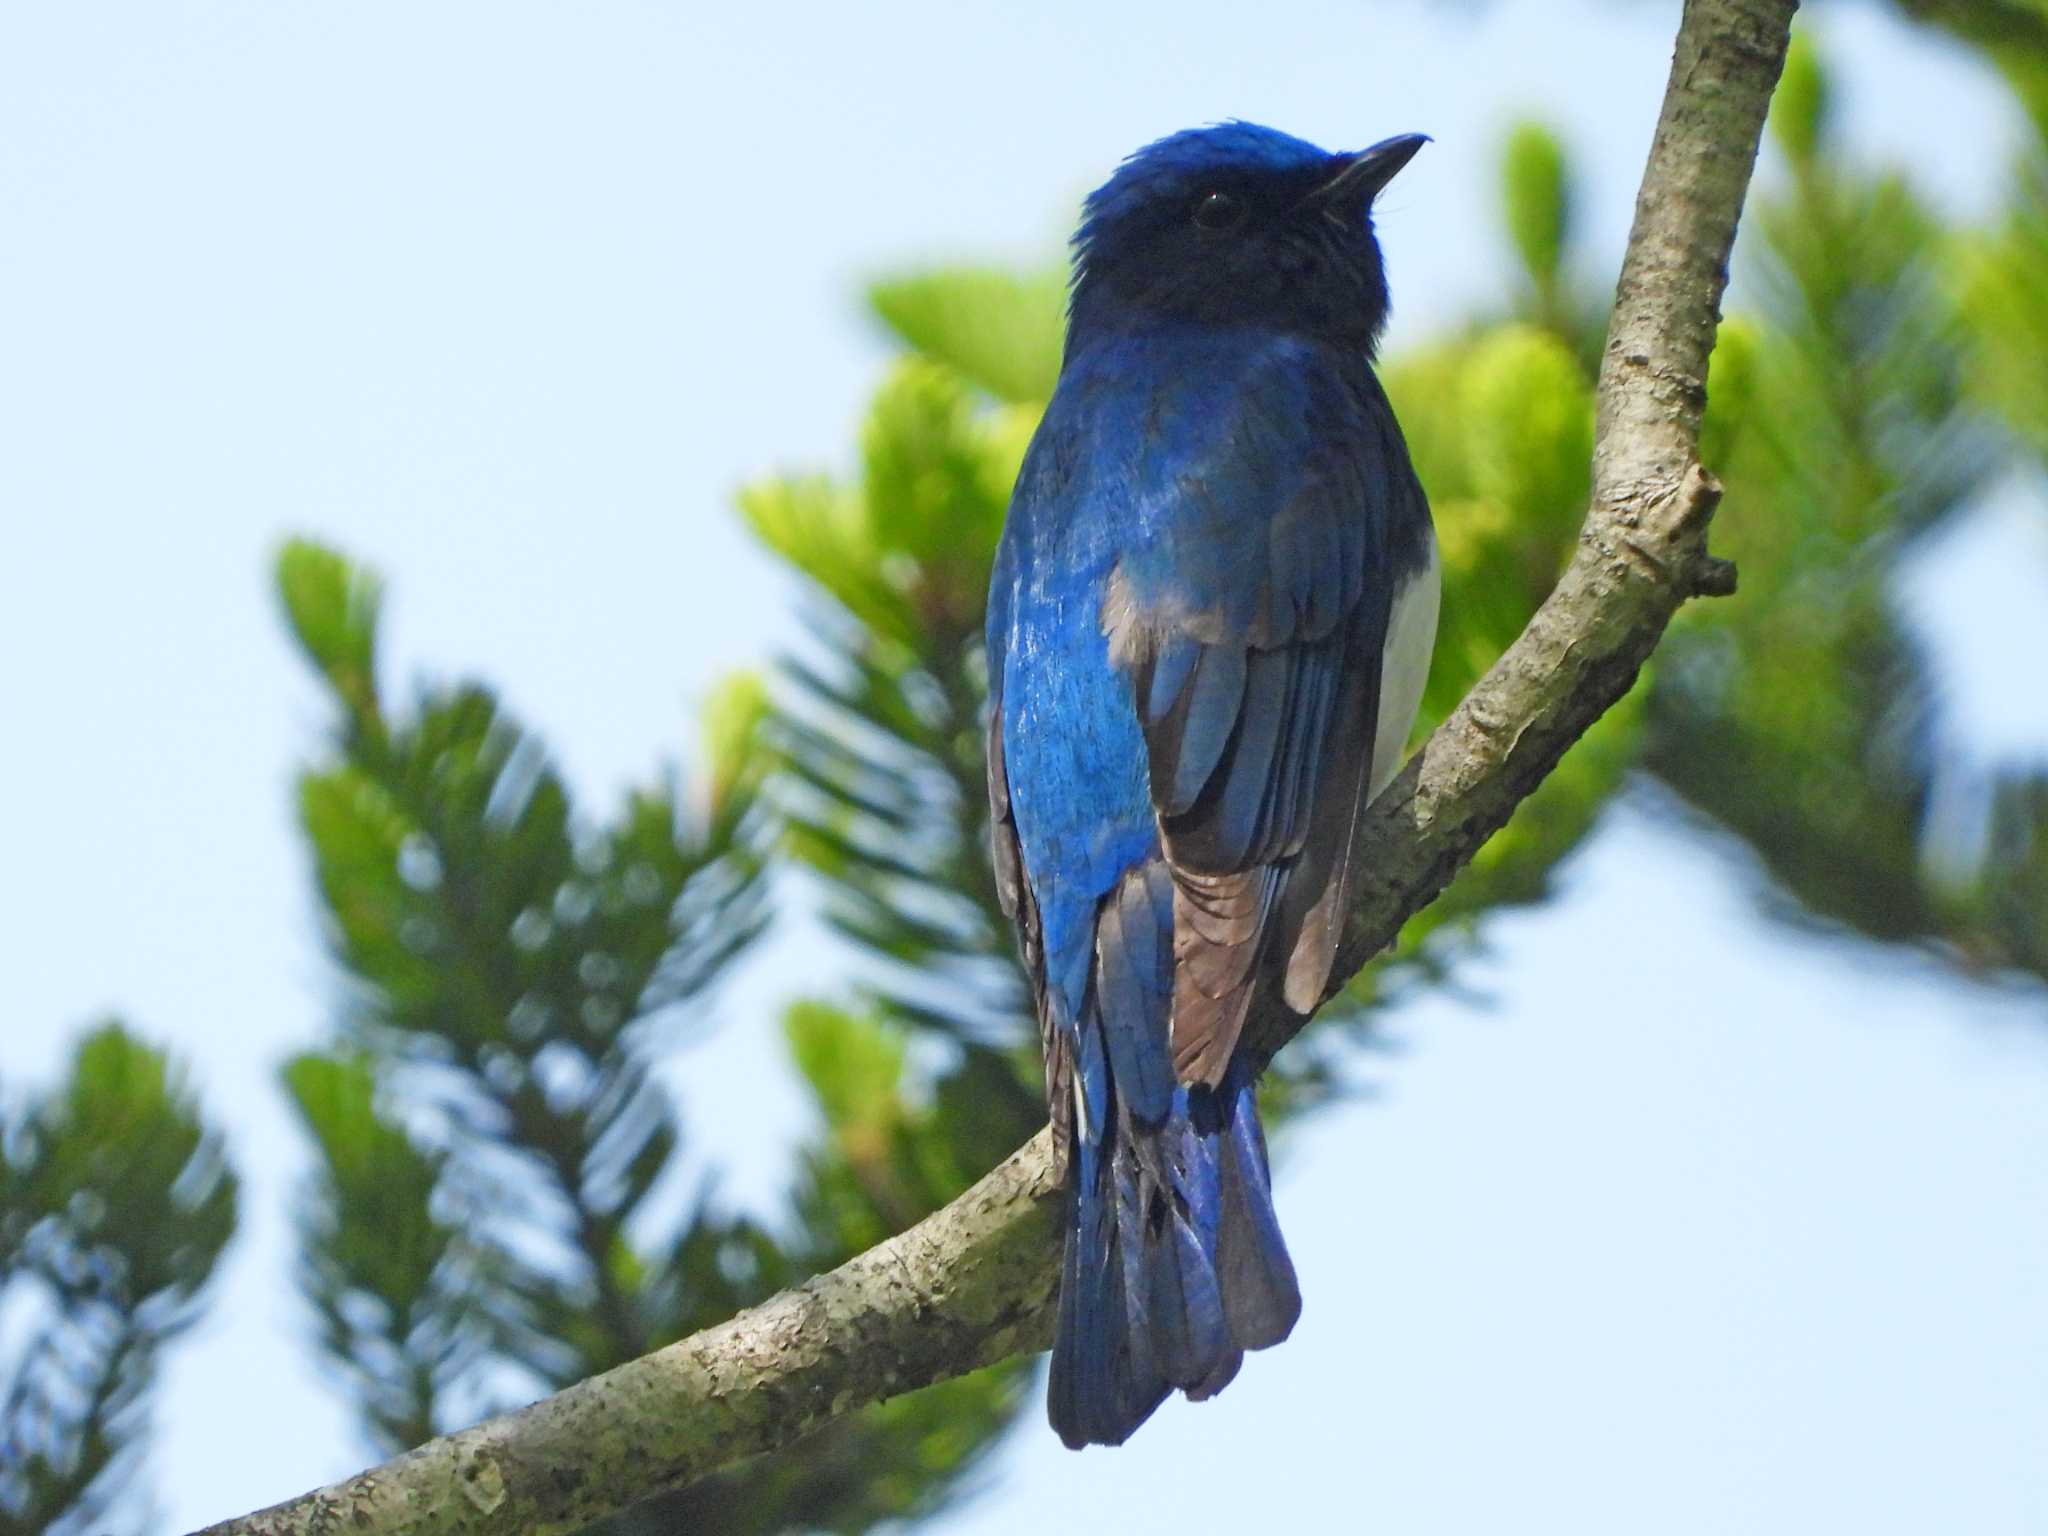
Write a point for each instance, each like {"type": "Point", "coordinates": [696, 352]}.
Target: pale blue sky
{"type": "Point", "coordinates": [506, 298]}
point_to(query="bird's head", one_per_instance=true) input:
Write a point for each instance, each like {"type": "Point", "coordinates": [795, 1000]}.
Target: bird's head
{"type": "Point", "coordinates": [1237, 224]}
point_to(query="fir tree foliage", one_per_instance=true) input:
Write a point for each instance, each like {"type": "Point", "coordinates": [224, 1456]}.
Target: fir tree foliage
{"type": "Point", "coordinates": [494, 1208]}
{"type": "Point", "coordinates": [1871, 406]}
{"type": "Point", "coordinates": [116, 1201]}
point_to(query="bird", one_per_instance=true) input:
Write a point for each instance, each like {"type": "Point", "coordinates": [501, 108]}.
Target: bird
{"type": "Point", "coordinates": [1210, 619]}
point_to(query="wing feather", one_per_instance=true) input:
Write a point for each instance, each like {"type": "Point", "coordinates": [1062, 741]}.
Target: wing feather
{"type": "Point", "coordinates": [1260, 711]}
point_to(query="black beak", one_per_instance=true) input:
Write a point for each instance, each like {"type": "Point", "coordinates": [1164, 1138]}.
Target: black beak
{"type": "Point", "coordinates": [1367, 172]}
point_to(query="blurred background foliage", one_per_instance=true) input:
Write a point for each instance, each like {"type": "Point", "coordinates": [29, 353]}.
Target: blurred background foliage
{"type": "Point", "coordinates": [115, 1204]}
{"type": "Point", "coordinates": [498, 1209]}
{"type": "Point", "coordinates": [502, 1202]}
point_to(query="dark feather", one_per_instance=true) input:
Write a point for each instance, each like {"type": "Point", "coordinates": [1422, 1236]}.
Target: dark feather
{"type": "Point", "coordinates": [1313, 910]}
{"type": "Point", "coordinates": [1103, 1384]}
{"type": "Point", "coordinates": [1174, 1303]}
{"type": "Point", "coordinates": [1133, 987]}
{"type": "Point", "coordinates": [1169, 671]}
{"type": "Point", "coordinates": [1191, 737]}
{"type": "Point", "coordinates": [1219, 922]}
{"type": "Point", "coordinates": [1261, 1298]}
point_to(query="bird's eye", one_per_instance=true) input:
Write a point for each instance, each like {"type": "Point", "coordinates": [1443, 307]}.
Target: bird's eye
{"type": "Point", "coordinates": [1216, 211]}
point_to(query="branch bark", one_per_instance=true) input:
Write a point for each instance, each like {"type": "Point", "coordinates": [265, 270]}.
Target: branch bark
{"type": "Point", "coordinates": [975, 1283]}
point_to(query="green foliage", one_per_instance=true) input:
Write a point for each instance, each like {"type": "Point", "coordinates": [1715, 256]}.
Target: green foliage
{"type": "Point", "coordinates": [1802, 717]}
{"type": "Point", "coordinates": [1001, 332]}
{"type": "Point", "coordinates": [1538, 199]}
{"type": "Point", "coordinates": [492, 1141]}
{"type": "Point", "coordinates": [1799, 110]}
{"type": "Point", "coordinates": [1871, 399]}
{"type": "Point", "coordinates": [907, 552]}
{"type": "Point", "coordinates": [490, 1100]}
{"type": "Point", "coordinates": [115, 1203]}
{"type": "Point", "coordinates": [880, 779]}
{"type": "Point", "coordinates": [878, 735]}
{"type": "Point", "coordinates": [395, 1285]}
{"type": "Point", "coordinates": [899, 1144]}
{"type": "Point", "coordinates": [1500, 426]}
{"type": "Point", "coordinates": [2002, 283]}
{"type": "Point", "coordinates": [464, 911]}
{"type": "Point", "coordinates": [877, 741]}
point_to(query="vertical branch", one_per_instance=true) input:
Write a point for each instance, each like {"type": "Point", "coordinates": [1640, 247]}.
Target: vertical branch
{"type": "Point", "coordinates": [1643, 549]}
{"type": "Point", "coordinates": [1667, 304]}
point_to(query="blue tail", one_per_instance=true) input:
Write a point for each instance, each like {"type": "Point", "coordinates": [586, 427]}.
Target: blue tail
{"type": "Point", "coordinates": [1174, 1262]}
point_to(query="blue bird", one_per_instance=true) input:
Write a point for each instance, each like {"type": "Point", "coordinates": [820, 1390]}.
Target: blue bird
{"type": "Point", "coordinates": [1208, 629]}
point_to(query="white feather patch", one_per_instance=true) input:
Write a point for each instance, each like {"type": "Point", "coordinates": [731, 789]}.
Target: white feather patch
{"type": "Point", "coordinates": [1404, 665]}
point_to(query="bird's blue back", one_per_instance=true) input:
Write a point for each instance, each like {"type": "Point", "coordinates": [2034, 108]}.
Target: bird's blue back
{"type": "Point", "coordinates": [1168, 457]}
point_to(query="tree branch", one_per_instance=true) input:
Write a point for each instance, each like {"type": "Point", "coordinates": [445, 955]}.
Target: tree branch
{"type": "Point", "coordinates": [1643, 549]}
{"type": "Point", "coordinates": [975, 1283]}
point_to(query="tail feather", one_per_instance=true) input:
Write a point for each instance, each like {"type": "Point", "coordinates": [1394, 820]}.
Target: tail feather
{"type": "Point", "coordinates": [1104, 1380]}
{"type": "Point", "coordinates": [1261, 1296]}
{"type": "Point", "coordinates": [1174, 1264]}
{"type": "Point", "coordinates": [1179, 1306]}
{"type": "Point", "coordinates": [1224, 1374]}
